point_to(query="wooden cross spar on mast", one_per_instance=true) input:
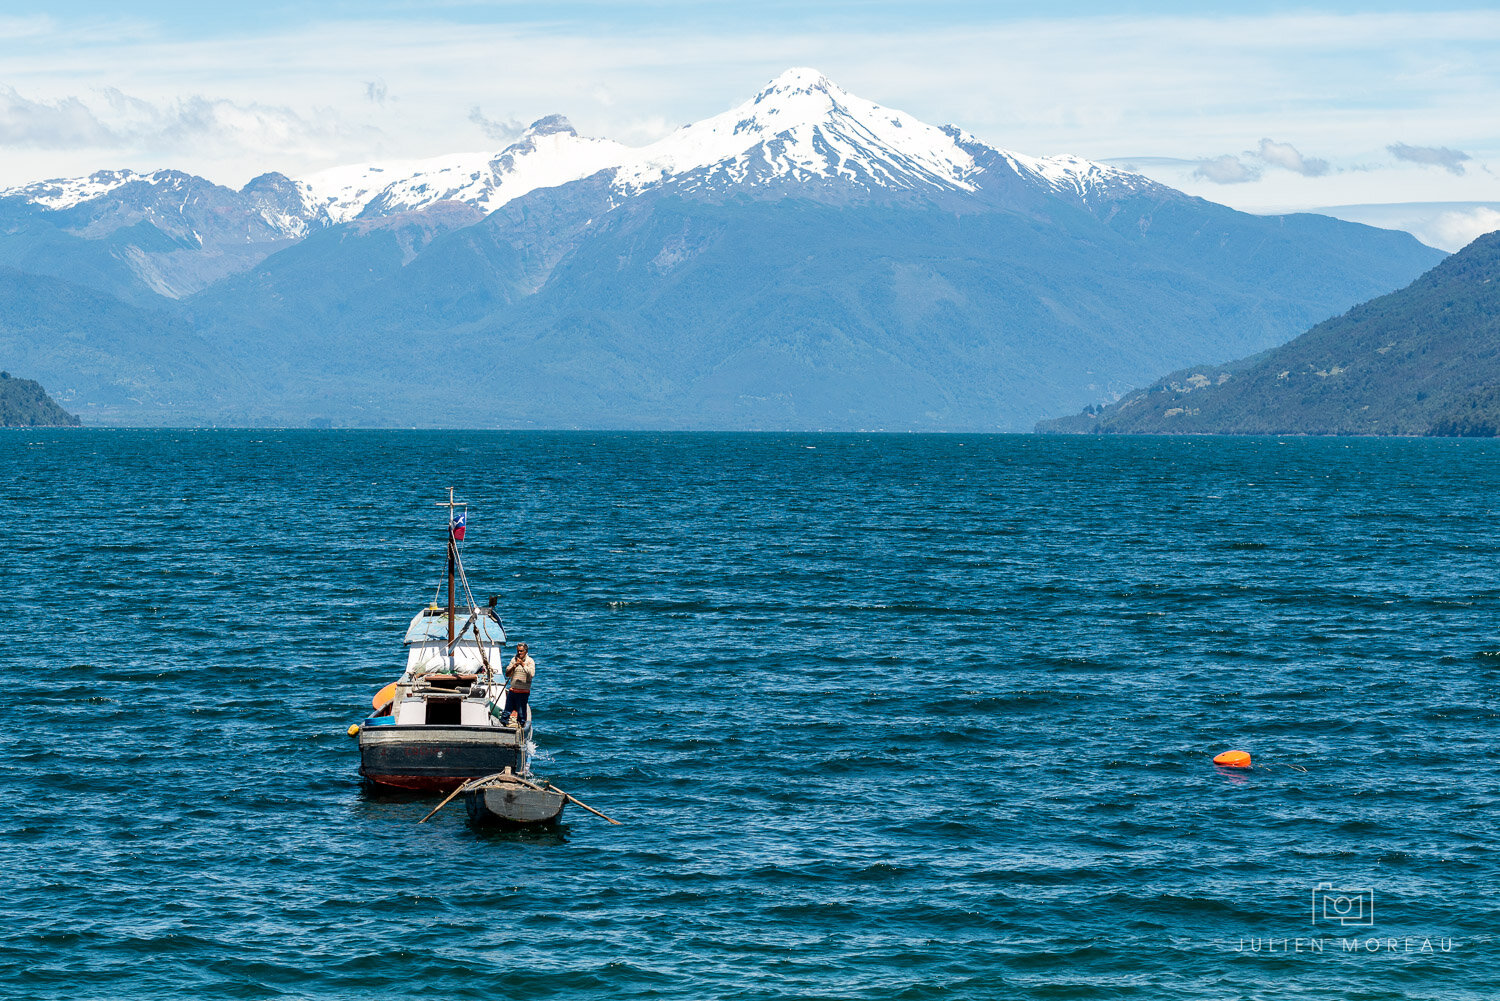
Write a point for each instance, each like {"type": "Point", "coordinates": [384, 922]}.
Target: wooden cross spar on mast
{"type": "Point", "coordinates": [450, 504]}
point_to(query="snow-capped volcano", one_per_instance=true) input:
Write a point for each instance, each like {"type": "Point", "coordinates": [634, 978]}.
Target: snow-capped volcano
{"type": "Point", "coordinates": [801, 129]}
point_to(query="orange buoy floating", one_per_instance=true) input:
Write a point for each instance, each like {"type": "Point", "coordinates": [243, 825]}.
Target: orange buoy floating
{"type": "Point", "coordinates": [1233, 759]}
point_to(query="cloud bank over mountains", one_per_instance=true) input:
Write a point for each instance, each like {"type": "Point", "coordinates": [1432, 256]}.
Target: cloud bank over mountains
{"type": "Point", "coordinates": [1098, 86]}
{"type": "Point", "coordinates": [496, 131]}
{"type": "Point", "coordinates": [1460, 228]}
{"type": "Point", "coordinates": [112, 121]}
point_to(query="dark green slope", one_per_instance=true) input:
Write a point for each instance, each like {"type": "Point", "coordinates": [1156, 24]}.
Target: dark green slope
{"type": "Point", "coordinates": [25, 404]}
{"type": "Point", "coordinates": [1421, 361]}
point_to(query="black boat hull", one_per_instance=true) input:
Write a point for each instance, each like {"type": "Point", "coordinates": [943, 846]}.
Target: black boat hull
{"type": "Point", "coordinates": [436, 757]}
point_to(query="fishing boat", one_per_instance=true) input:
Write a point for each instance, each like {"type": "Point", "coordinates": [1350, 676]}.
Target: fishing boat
{"type": "Point", "coordinates": [443, 721]}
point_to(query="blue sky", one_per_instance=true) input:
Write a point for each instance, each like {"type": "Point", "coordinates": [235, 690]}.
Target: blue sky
{"type": "Point", "coordinates": [1266, 107]}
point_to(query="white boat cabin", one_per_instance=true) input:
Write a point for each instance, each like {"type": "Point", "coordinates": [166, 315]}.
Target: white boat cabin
{"type": "Point", "coordinates": [427, 649]}
{"type": "Point", "coordinates": [446, 685]}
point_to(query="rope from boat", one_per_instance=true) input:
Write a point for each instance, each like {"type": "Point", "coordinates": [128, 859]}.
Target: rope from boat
{"type": "Point", "coordinates": [463, 577]}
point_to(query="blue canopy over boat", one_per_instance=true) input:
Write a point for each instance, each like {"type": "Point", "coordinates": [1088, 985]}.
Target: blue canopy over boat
{"type": "Point", "coordinates": [431, 626]}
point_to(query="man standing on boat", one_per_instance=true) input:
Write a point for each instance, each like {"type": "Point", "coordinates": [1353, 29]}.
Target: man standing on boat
{"type": "Point", "coordinates": [518, 675]}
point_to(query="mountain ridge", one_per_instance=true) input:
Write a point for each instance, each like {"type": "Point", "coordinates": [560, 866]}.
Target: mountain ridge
{"type": "Point", "coordinates": [806, 259]}
{"type": "Point", "coordinates": [1423, 360]}
{"type": "Point", "coordinates": [804, 128]}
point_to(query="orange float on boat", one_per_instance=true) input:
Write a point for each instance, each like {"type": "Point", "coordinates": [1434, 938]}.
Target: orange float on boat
{"type": "Point", "coordinates": [1233, 759]}
{"type": "Point", "coordinates": [383, 696]}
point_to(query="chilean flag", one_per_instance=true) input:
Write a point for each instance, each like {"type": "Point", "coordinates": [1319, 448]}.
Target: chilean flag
{"type": "Point", "coordinates": [457, 528]}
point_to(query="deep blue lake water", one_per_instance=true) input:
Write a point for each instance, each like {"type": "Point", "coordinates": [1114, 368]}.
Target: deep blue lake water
{"type": "Point", "coordinates": [883, 716]}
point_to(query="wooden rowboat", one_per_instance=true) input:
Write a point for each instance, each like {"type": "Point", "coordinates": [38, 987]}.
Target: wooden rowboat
{"type": "Point", "coordinates": [506, 799]}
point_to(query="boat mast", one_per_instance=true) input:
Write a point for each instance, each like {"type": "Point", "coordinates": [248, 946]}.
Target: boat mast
{"type": "Point", "coordinates": [450, 504]}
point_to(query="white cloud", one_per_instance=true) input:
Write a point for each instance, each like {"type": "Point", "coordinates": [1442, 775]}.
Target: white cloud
{"type": "Point", "coordinates": [64, 123]}
{"type": "Point", "coordinates": [1451, 160]}
{"type": "Point", "coordinates": [110, 119]}
{"type": "Point", "coordinates": [496, 131]}
{"type": "Point", "coordinates": [646, 129]}
{"type": "Point", "coordinates": [1227, 169]}
{"type": "Point", "coordinates": [1446, 225]}
{"type": "Point", "coordinates": [1285, 155]}
{"type": "Point", "coordinates": [26, 27]}
{"type": "Point", "coordinates": [1249, 165]}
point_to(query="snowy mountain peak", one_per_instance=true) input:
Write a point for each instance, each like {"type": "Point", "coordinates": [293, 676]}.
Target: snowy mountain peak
{"type": "Point", "coordinates": [802, 128]}
{"type": "Point", "coordinates": [549, 153]}
{"type": "Point", "coordinates": [799, 81]}
{"type": "Point", "coordinates": [551, 125]}
{"type": "Point", "coordinates": [800, 97]}
{"type": "Point", "coordinates": [66, 192]}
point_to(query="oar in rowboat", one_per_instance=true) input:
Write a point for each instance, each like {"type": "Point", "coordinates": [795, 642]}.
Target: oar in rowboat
{"type": "Point", "coordinates": [573, 799]}
{"type": "Point", "coordinates": [510, 776]}
{"type": "Point", "coordinates": [549, 787]}
{"type": "Point", "coordinates": [476, 783]}
{"type": "Point", "coordinates": [445, 802]}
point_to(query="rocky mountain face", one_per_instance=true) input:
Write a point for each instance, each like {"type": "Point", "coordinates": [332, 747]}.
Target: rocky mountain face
{"type": "Point", "coordinates": [147, 236]}
{"type": "Point", "coordinates": [807, 259]}
{"type": "Point", "coordinates": [1421, 361]}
